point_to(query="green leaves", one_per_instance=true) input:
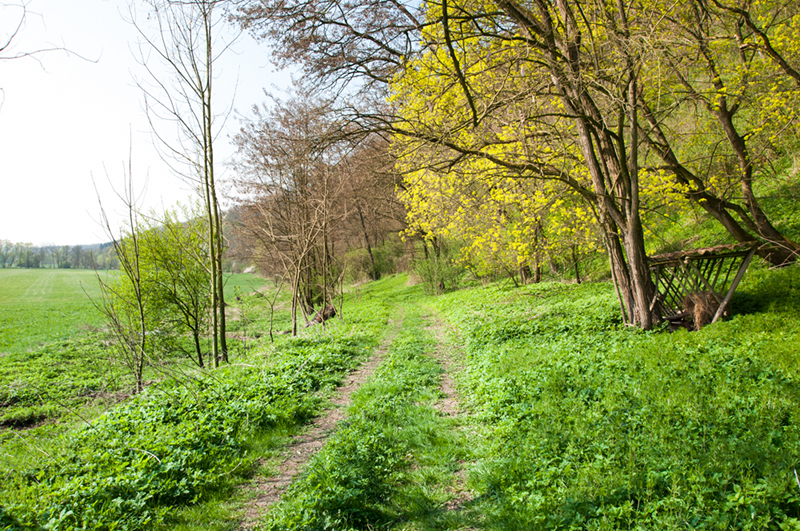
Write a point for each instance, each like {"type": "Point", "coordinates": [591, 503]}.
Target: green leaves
{"type": "Point", "coordinates": [348, 483]}
{"type": "Point", "coordinates": [177, 442]}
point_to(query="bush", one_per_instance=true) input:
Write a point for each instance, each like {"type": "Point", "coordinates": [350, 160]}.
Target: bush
{"type": "Point", "coordinates": [438, 274]}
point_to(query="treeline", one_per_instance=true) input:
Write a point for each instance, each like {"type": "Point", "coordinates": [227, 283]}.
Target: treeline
{"type": "Point", "coordinates": [315, 201]}
{"type": "Point", "coordinates": [530, 129]}
{"type": "Point", "coordinates": [29, 256]}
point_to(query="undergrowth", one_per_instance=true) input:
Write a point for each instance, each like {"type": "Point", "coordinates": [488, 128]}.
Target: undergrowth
{"type": "Point", "coordinates": [183, 440]}
{"type": "Point", "coordinates": [592, 425]}
{"type": "Point", "coordinates": [351, 482]}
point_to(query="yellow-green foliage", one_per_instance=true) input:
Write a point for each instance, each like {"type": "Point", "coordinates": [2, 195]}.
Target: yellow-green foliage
{"type": "Point", "coordinates": [167, 276]}
{"type": "Point", "coordinates": [491, 201]}
{"type": "Point", "coordinates": [492, 156]}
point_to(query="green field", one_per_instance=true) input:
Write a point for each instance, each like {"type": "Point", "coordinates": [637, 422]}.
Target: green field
{"type": "Point", "coordinates": [43, 305]}
{"type": "Point", "coordinates": [56, 368]}
{"type": "Point", "coordinates": [39, 306]}
{"type": "Point", "coordinates": [567, 419]}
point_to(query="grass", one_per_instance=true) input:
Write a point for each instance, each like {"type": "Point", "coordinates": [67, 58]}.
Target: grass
{"type": "Point", "coordinates": [38, 306]}
{"type": "Point", "coordinates": [590, 425]}
{"type": "Point", "coordinates": [572, 421]}
{"type": "Point", "coordinates": [57, 372]}
{"type": "Point", "coordinates": [55, 358]}
{"type": "Point", "coordinates": [237, 284]}
{"type": "Point", "coordinates": [386, 440]}
{"type": "Point", "coordinates": [171, 455]}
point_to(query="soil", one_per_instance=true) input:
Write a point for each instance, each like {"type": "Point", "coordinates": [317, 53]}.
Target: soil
{"type": "Point", "coordinates": [302, 447]}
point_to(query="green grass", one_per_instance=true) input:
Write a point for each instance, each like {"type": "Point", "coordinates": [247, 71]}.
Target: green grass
{"type": "Point", "coordinates": [241, 283]}
{"type": "Point", "coordinates": [385, 441]}
{"type": "Point", "coordinates": [574, 421]}
{"type": "Point", "coordinates": [590, 425]}
{"type": "Point", "coordinates": [38, 306]}
{"type": "Point", "coordinates": [170, 456]}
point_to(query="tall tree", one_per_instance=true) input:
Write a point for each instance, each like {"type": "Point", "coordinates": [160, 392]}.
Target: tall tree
{"type": "Point", "coordinates": [286, 191]}
{"type": "Point", "coordinates": [542, 94]}
{"type": "Point", "coordinates": [552, 90]}
{"type": "Point", "coordinates": [187, 40]}
{"type": "Point", "coordinates": [721, 72]}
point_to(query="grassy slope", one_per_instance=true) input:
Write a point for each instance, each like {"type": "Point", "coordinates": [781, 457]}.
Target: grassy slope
{"type": "Point", "coordinates": [184, 441]}
{"type": "Point", "coordinates": [56, 372]}
{"type": "Point", "coordinates": [574, 421]}
{"type": "Point", "coordinates": [590, 425]}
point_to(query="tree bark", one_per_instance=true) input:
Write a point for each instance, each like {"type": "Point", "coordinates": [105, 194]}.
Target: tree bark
{"type": "Point", "coordinates": [374, 275]}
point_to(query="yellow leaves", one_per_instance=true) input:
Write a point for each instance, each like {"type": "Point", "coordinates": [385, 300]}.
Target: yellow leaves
{"type": "Point", "coordinates": [501, 221]}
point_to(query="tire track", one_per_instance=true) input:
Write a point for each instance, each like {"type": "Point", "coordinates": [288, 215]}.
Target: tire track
{"type": "Point", "coordinates": [450, 406]}
{"type": "Point", "coordinates": [302, 447]}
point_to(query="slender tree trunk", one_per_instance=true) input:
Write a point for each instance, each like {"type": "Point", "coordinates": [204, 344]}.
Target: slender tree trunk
{"type": "Point", "coordinates": [295, 297]}
{"type": "Point", "coordinates": [197, 347]}
{"type": "Point", "coordinates": [374, 273]}
{"type": "Point", "coordinates": [219, 343]}
{"type": "Point", "coordinates": [525, 274]}
{"type": "Point", "coordinates": [223, 340]}
{"type": "Point", "coordinates": [763, 225]}
{"type": "Point", "coordinates": [576, 265]}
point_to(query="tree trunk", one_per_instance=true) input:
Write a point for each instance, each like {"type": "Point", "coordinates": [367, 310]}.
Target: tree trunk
{"type": "Point", "coordinates": [374, 275]}
{"type": "Point", "coordinates": [576, 265]}
{"type": "Point", "coordinates": [765, 229]}
{"type": "Point", "coordinates": [197, 348]}
{"type": "Point", "coordinates": [525, 274]}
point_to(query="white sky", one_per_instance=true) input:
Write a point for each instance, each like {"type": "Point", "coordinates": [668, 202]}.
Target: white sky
{"type": "Point", "coordinates": [63, 119]}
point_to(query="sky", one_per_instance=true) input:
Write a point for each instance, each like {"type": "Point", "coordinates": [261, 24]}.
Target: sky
{"type": "Point", "coordinates": [68, 121]}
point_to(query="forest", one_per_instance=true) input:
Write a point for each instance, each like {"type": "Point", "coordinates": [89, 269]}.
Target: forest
{"type": "Point", "coordinates": [451, 280]}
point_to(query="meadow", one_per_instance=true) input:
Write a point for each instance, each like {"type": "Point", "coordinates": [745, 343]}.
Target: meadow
{"type": "Point", "coordinates": [39, 306]}
{"type": "Point", "coordinates": [56, 367]}
{"type": "Point", "coordinates": [570, 420]}
{"type": "Point", "coordinates": [149, 460]}
{"type": "Point", "coordinates": [566, 420]}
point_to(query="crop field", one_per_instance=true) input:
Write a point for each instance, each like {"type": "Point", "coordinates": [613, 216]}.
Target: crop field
{"type": "Point", "coordinates": [39, 306]}
{"type": "Point", "coordinates": [44, 305]}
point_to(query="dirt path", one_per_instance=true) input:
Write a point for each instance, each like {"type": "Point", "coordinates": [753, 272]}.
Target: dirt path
{"type": "Point", "coordinates": [449, 405]}
{"type": "Point", "coordinates": [305, 445]}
